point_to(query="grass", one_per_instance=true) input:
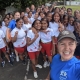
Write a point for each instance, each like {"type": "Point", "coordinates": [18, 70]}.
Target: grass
{"type": "Point", "coordinates": [73, 7]}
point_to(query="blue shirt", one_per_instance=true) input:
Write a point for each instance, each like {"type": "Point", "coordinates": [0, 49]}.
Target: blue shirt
{"type": "Point", "coordinates": [65, 70]}
{"type": "Point", "coordinates": [12, 24]}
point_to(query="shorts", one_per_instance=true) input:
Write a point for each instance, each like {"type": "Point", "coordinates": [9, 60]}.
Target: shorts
{"type": "Point", "coordinates": [21, 50]}
{"type": "Point", "coordinates": [46, 47]}
{"type": "Point", "coordinates": [33, 55]}
{"type": "Point", "coordinates": [3, 49]}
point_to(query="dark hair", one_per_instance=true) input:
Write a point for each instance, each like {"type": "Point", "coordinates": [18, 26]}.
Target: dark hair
{"type": "Point", "coordinates": [48, 13]}
{"type": "Point", "coordinates": [54, 15]}
{"type": "Point", "coordinates": [15, 12]}
{"type": "Point", "coordinates": [23, 16]}
{"type": "Point", "coordinates": [0, 23]}
{"type": "Point", "coordinates": [69, 9]}
{"type": "Point", "coordinates": [5, 18]}
{"type": "Point", "coordinates": [56, 8]}
{"type": "Point", "coordinates": [71, 17]}
{"type": "Point", "coordinates": [18, 19]}
{"type": "Point", "coordinates": [29, 12]}
{"type": "Point", "coordinates": [45, 19]}
{"type": "Point", "coordinates": [65, 16]}
{"type": "Point", "coordinates": [41, 12]}
{"type": "Point", "coordinates": [35, 22]}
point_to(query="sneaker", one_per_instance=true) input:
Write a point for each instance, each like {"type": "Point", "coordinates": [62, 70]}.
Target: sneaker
{"type": "Point", "coordinates": [48, 64]}
{"type": "Point", "coordinates": [35, 74]}
{"type": "Point", "coordinates": [24, 62]}
{"type": "Point", "coordinates": [45, 64]}
{"type": "Point", "coordinates": [39, 66]}
{"type": "Point", "coordinates": [17, 58]}
{"type": "Point", "coordinates": [11, 63]}
{"type": "Point", "coordinates": [11, 58]}
{"type": "Point", "coordinates": [2, 63]}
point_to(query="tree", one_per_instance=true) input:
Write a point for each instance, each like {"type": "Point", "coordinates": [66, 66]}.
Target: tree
{"type": "Point", "coordinates": [21, 4]}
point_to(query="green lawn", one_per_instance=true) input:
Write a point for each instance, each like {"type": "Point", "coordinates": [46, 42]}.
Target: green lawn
{"type": "Point", "coordinates": [73, 7]}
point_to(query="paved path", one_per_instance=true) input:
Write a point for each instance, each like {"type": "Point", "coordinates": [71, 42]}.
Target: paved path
{"type": "Point", "coordinates": [18, 71]}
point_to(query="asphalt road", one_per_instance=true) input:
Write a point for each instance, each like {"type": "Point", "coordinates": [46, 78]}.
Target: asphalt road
{"type": "Point", "coordinates": [18, 71]}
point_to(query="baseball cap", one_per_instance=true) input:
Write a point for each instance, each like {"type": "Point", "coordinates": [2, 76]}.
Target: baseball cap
{"type": "Point", "coordinates": [66, 34]}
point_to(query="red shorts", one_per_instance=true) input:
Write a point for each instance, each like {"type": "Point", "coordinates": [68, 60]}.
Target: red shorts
{"type": "Point", "coordinates": [33, 55]}
{"type": "Point", "coordinates": [3, 49]}
{"type": "Point", "coordinates": [21, 50]}
{"type": "Point", "coordinates": [46, 47]}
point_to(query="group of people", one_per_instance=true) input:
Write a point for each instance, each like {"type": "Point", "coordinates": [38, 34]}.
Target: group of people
{"type": "Point", "coordinates": [47, 31]}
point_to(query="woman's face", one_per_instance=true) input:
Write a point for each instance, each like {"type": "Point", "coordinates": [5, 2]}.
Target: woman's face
{"type": "Point", "coordinates": [37, 25]}
{"type": "Point", "coordinates": [71, 20]}
{"type": "Point", "coordinates": [17, 15]}
{"type": "Point", "coordinates": [56, 17]}
{"type": "Point", "coordinates": [65, 20]}
{"type": "Point", "coordinates": [36, 15]}
{"type": "Point", "coordinates": [44, 25]}
{"type": "Point", "coordinates": [62, 12]}
{"type": "Point", "coordinates": [30, 14]}
{"type": "Point", "coordinates": [49, 17]}
{"type": "Point", "coordinates": [19, 23]}
{"type": "Point", "coordinates": [66, 48]}
{"type": "Point", "coordinates": [69, 12]}
{"type": "Point", "coordinates": [25, 19]}
{"type": "Point", "coordinates": [6, 21]}
{"type": "Point", "coordinates": [76, 13]}
{"type": "Point", "coordinates": [77, 26]}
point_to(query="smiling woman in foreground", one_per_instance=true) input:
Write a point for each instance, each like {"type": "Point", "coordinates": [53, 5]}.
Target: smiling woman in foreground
{"type": "Point", "coordinates": [65, 66]}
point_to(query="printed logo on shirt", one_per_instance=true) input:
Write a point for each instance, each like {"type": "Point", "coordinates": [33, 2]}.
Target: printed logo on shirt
{"type": "Point", "coordinates": [63, 75]}
{"type": "Point", "coordinates": [31, 50]}
{"type": "Point", "coordinates": [18, 45]}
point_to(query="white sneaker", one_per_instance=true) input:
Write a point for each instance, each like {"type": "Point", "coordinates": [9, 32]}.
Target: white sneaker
{"type": "Point", "coordinates": [48, 64]}
{"type": "Point", "coordinates": [45, 64]}
{"type": "Point", "coordinates": [39, 66]}
{"type": "Point", "coordinates": [35, 74]}
{"type": "Point", "coordinates": [17, 58]}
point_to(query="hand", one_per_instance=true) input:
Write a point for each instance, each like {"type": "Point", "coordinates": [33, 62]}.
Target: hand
{"type": "Point", "coordinates": [36, 35]}
{"type": "Point", "coordinates": [16, 33]}
{"type": "Point", "coordinates": [40, 48]}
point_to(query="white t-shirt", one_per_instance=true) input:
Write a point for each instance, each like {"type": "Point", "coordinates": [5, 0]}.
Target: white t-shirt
{"type": "Point", "coordinates": [26, 14]}
{"type": "Point", "coordinates": [26, 27]}
{"type": "Point", "coordinates": [21, 37]}
{"type": "Point", "coordinates": [3, 23]}
{"type": "Point", "coordinates": [54, 26]}
{"type": "Point", "coordinates": [4, 28]}
{"type": "Point", "coordinates": [47, 37]}
{"type": "Point", "coordinates": [70, 28]}
{"type": "Point", "coordinates": [35, 45]}
{"type": "Point", "coordinates": [31, 19]}
{"type": "Point", "coordinates": [2, 43]}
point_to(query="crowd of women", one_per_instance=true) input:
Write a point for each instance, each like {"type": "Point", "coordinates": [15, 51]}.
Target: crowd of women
{"type": "Point", "coordinates": [34, 31]}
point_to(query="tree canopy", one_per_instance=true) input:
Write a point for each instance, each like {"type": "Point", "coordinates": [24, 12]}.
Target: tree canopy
{"type": "Point", "coordinates": [20, 3]}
